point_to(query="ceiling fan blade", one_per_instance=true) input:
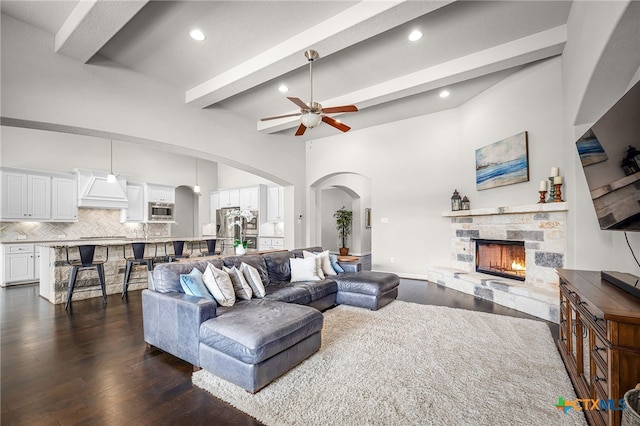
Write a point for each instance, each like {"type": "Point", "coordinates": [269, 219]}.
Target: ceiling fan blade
{"type": "Point", "coordinates": [331, 122]}
{"type": "Point", "coordinates": [298, 102]}
{"type": "Point", "coordinates": [344, 108]}
{"type": "Point", "coordinates": [281, 116]}
{"type": "Point", "coordinates": [301, 130]}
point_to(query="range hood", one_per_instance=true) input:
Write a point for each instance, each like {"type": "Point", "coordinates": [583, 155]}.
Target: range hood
{"type": "Point", "coordinates": [94, 191]}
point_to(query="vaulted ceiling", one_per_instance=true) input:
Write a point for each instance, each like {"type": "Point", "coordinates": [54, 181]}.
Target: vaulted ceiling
{"type": "Point", "coordinates": [252, 47]}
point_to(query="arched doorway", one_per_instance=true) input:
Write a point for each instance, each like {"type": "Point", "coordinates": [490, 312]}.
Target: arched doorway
{"type": "Point", "coordinates": [330, 193]}
{"type": "Point", "coordinates": [186, 213]}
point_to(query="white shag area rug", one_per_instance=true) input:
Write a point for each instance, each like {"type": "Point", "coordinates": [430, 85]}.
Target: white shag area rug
{"type": "Point", "coordinates": [410, 364]}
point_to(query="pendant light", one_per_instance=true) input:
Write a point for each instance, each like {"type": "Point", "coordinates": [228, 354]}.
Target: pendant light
{"type": "Point", "coordinates": [111, 178]}
{"type": "Point", "coordinates": [196, 188]}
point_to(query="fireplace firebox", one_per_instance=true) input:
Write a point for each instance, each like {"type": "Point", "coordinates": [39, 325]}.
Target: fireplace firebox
{"type": "Point", "coordinates": [503, 258]}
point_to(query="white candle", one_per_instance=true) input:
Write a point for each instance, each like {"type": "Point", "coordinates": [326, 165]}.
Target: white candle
{"type": "Point", "coordinates": [557, 180]}
{"type": "Point", "coordinates": [543, 185]}
{"type": "Point", "coordinates": [554, 171]}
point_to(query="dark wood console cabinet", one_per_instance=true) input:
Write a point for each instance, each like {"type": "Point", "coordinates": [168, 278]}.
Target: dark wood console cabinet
{"type": "Point", "coordinates": [599, 340]}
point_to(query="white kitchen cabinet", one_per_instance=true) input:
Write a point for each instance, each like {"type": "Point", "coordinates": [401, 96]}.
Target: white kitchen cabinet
{"type": "Point", "coordinates": [275, 204]}
{"type": "Point", "coordinates": [26, 196]}
{"type": "Point", "coordinates": [229, 198]}
{"type": "Point", "coordinates": [20, 263]}
{"type": "Point", "coordinates": [64, 199]}
{"type": "Point", "coordinates": [135, 211]}
{"type": "Point", "coordinates": [39, 193]}
{"type": "Point", "coordinates": [270, 243]}
{"type": "Point", "coordinates": [160, 194]}
{"type": "Point", "coordinates": [250, 198]}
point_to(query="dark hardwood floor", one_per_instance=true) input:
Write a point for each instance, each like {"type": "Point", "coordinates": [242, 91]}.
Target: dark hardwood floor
{"type": "Point", "coordinates": [90, 365]}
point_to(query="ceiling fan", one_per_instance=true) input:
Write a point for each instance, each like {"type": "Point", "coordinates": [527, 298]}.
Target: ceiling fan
{"type": "Point", "coordinates": [312, 113]}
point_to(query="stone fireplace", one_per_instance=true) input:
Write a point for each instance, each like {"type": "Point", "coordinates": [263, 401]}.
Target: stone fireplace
{"type": "Point", "coordinates": [534, 234]}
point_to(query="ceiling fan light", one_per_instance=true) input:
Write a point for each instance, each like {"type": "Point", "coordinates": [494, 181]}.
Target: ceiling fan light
{"type": "Point", "coordinates": [196, 189]}
{"type": "Point", "coordinates": [111, 178]}
{"type": "Point", "coordinates": [310, 119]}
{"type": "Point", "coordinates": [197, 35]}
{"type": "Point", "coordinates": [415, 35]}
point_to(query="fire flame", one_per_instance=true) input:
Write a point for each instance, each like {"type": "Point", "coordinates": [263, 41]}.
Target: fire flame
{"type": "Point", "coordinates": [517, 266]}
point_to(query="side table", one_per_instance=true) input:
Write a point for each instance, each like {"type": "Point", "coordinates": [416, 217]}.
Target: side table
{"type": "Point", "coordinates": [350, 263]}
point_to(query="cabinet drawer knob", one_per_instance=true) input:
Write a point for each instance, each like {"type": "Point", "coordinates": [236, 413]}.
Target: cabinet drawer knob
{"type": "Point", "coordinates": [596, 319]}
{"type": "Point", "coordinates": [598, 379]}
{"type": "Point", "coordinates": [597, 348]}
{"type": "Point", "coordinates": [582, 303]}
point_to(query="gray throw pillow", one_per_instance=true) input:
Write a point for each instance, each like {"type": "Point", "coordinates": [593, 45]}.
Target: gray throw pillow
{"type": "Point", "coordinates": [253, 278]}
{"type": "Point", "coordinates": [240, 285]}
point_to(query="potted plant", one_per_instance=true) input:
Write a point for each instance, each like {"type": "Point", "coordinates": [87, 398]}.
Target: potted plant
{"type": "Point", "coordinates": [343, 226]}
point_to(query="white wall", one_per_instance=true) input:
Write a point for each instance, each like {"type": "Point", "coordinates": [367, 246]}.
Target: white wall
{"type": "Point", "coordinates": [41, 86]}
{"type": "Point", "coordinates": [415, 164]}
{"type": "Point", "coordinates": [530, 100]}
{"type": "Point", "coordinates": [230, 177]}
{"type": "Point", "coordinates": [600, 62]}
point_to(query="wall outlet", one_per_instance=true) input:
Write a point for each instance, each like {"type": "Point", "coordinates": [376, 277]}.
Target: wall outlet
{"type": "Point", "coordinates": [384, 220]}
{"type": "Point", "coordinates": [392, 260]}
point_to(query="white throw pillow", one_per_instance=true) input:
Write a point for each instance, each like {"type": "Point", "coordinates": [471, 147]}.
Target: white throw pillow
{"type": "Point", "coordinates": [240, 284]}
{"type": "Point", "coordinates": [325, 262]}
{"type": "Point", "coordinates": [220, 285]}
{"type": "Point", "coordinates": [304, 269]}
{"type": "Point", "coordinates": [252, 276]}
{"type": "Point", "coordinates": [308, 255]}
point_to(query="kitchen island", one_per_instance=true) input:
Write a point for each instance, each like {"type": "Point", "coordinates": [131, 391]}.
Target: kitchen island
{"type": "Point", "coordinates": [55, 268]}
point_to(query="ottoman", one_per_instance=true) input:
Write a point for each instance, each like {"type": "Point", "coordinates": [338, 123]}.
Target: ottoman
{"type": "Point", "coordinates": [256, 341]}
{"type": "Point", "coordinates": [367, 289]}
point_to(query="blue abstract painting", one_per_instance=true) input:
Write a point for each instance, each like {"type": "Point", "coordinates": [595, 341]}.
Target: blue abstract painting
{"type": "Point", "coordinates": [590, 150]}
{"type": "Point", "coordinates": [503, 163]}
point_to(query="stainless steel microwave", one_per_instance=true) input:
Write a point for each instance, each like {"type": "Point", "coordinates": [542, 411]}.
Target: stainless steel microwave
{"type": "Point", "coordinates": [161, 211]}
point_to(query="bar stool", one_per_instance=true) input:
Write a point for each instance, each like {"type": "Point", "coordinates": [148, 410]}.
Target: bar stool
{"type": "Point", "coordinates": [178, 250]}
{"type": "Point", "coordinates": [86, 261]}
{"type": "Point", "coordinates": [138, 259]}
{"type": "Point", "coordinates": [211, 247]}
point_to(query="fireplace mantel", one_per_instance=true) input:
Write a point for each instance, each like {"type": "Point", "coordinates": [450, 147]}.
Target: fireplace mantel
{"type": "Point", "coordinates": [528, 208]}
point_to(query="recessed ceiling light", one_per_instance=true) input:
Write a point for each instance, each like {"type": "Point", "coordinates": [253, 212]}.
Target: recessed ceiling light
{"type": "Point", "coordinates": [415, 35]}
{"type": "Point", "coordinates": [283, 88]}
{"type": "Point", "coordinates": [197, 35]}
{"type": "Point", "coordinates": [444, 94]}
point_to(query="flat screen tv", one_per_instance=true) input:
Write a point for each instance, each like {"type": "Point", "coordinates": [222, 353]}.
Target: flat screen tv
{"type": "Point", "coordinates": [610, 155]}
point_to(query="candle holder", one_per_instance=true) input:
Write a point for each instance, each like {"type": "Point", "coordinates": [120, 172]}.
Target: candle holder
{"type": "Point", "coordinates": [542, 195]}
{"type": "Point", "coordinates": [552, 195]}
{"type": "Point", "coordinates": [557, 193]}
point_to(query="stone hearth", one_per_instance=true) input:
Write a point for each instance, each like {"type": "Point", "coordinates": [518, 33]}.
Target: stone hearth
{"type": "Point", "coordinates": [542, 228]}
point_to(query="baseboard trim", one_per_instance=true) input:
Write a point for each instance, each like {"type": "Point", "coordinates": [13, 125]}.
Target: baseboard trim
{"type": "Point", "coordinates": [421, 277]}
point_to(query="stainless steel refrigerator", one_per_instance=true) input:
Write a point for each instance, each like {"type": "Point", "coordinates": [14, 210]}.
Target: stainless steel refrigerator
{"type": "Point", "coordinates": [227, 234]}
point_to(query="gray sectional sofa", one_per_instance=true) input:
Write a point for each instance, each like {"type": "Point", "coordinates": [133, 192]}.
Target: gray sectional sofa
{"type": "Point", "coordinates": [254, 341]}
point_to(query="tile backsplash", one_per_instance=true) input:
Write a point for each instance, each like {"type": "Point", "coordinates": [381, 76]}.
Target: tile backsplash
{"type": "Point", "coordinates": [91, 223]}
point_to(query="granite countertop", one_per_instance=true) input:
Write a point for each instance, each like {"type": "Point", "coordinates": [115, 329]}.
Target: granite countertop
{"type": "Point", "coordinates": [108, 241]}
